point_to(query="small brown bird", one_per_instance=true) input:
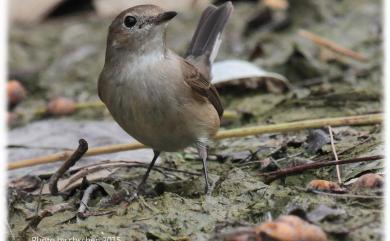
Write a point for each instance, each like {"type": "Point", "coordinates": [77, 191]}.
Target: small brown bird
{"type": "Point", "coordinates": [161, 99]}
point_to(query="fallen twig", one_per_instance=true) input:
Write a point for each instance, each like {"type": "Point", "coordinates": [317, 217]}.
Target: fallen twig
{"type": "Point", "coordinates": [52, 210]}
{"type": "Point", "coordinates": [78, 153]}
{"type": "Point", "coordinates": [81, 212]}
{"type": "Point", "coordinates": [97, 213]}
{"type": "Point", "coordinates": [78, 106]}
{"type": "Point", "coordinates": [36, 219]}
{"type": "Point", "coordinates": [320, 158]}
{"type": "Point", "coordinates": [301, 125]}
{"type": "Point", "coordinates": [116, 198]}
{"type": "Point", "coordinates": [39, 199]}
{"type": "Point", "coordinates": [42, 111]}
{"type": "Point", "coordinates": [10, 232]}
{"type": "Point", "coordinates": [115, 164]}
{"type": "Point", "coordinates": [49, 211]}
{"type": "Point", "coordinates": [238, 132]}
{"type": "Point", "coordinates": [101, 170]}
{"type": "Point", "coordinates": [331, 45]}
{"type": "Point", "coordinates": [345, 195]}
{"type": "Point", "coordinates": [335, 154]}
{"type": "Point", "coordinates": [271, 176]}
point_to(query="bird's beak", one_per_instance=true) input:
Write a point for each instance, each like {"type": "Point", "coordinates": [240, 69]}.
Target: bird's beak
{"type": "Point", "coordinates": [164, 17]}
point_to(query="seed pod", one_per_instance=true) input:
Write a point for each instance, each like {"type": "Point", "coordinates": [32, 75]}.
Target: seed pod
{"type": "Point", "coordinates": [290, 228]}
{"type": "Point", "coordinates": [369, 180]}
{"type": "Point", "coordinates": [323, 185]}
{"type": "Point", "coordinates": [239, 235]}
{"type": "Point", "coordinates": [15, 93]}
{"type": "Point", "coordinates": [279, 231]}
{"type": "Point", "coordinates": [313, 233]}
{"type": "Point", "coordinates": [61, 106]}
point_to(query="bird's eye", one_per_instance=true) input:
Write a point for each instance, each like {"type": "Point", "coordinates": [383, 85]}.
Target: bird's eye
{"type": "Point", "coordinates": [129, 21]}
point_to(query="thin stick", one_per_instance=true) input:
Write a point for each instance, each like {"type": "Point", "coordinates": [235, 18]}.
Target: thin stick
{"type": "Point", "coordinates": [238, 132]}
{"type": "Point", "coordinates": [49, 211]}
{"type": "Point", "coordinates": [331, 45]}
{"type": "Point", "coordinates": [10, 232]}
{"type": "Point", "coordinates": [87, 171]}
{"type": "Point", "coordinates": [65, 154]}
{"type": "Point", "coordinates": [335, 154]}
{"type": "Point", "coordinates": [78, 153]}
{"type": "Point", "coordinates": [39, 199]}
{"type": "Point", "coordinates": [78, 106]}
{"type": "Point", "coordinates": [228, 114]}
{"type": "Point", "coordinates": [301, 125]}
{"type": "Point", "coordinates": [35, 219]}
{"type": "Point", "coordinates": [116, 198]}
{"type": "Point", "coordinates": [342, 195]}
{"type": "Point", "coordinates": [271, 176]}
{"type": "Point", "coordinates": [84, 201]}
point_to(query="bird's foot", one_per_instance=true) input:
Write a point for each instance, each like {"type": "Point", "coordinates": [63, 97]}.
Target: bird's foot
{"type": "Point", "coordinates": [132, 197]}
{"type": "Point", "coordinates": [136, 194]}
{"type": "Point", "coordinates": [209, 188]}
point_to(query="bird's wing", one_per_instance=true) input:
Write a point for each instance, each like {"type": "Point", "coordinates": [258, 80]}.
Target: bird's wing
{"type": "Point", "coordinates": [201, 85]}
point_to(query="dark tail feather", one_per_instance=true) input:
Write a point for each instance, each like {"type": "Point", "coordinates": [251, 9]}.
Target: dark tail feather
{"type": "Point", "coordinates": [206, 39]}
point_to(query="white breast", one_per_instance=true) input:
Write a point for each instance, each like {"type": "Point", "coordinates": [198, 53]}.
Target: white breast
{"type": "Point", "coordinates": [149, 101]}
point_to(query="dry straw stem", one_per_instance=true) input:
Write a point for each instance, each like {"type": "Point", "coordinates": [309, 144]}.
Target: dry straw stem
{"type": "Point", "coordinates": [335, 154]}
{"type": "Point", "coordinates": [228, 114]}
{"type": "Point", "coordinates": [223, 134]}
{"type": "Point", "coordinates": [78, 106]}
{"type": "Point", "coordinates": [331, 45]}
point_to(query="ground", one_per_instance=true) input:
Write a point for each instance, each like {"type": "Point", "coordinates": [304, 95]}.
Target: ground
{"type": "Point", "coordinates": [63, 57]}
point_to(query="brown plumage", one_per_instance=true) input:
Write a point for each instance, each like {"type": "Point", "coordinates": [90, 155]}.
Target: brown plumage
{"type": "Point", "coordinates": [161, 99]}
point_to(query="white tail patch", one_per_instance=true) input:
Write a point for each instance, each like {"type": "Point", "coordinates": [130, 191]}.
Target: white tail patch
{"type": "Point", "coordinates": [216, 46]}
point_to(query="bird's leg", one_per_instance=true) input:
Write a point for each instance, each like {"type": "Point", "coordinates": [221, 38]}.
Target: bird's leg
{"type": "Point", "coordinates": [141, 186]}
{"type": "Point", "coordinates": [202, 151]}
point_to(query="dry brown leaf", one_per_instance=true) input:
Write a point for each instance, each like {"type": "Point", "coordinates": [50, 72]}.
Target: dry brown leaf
{"type": "Point", "coordinates": [245, 74]}
{"type": "Point", "coordinates": [26, 183]}
{"type": "Point", "coordinates": [323, 185]}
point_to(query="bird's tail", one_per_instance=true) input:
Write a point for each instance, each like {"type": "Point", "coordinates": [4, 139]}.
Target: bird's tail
{"type": "Point", "coordinates": [207, 37]}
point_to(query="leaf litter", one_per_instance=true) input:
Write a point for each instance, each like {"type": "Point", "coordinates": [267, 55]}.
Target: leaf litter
{"type": "Point", "coordinates": [323, 84]}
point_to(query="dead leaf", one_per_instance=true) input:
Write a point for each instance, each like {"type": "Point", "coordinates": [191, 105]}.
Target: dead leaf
{"type": "Point", "coordinates": [26, 183]}
{"type": "Point", "coordinates": [53, 209]}
{"type": "Point", "coordinates": [108, 188]}
{"type": "Point", "coordinates": [248, 75]}
{"type": "Point", "coordinates": [268, 165]}
{"type": "Point", "coordinates": [316, 140]}
{"type": "Point", "coordinates": [322, 212]}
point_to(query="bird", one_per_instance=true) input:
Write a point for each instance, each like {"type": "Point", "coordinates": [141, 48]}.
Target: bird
{"type": "Point", "coordinates": [163, 100]}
